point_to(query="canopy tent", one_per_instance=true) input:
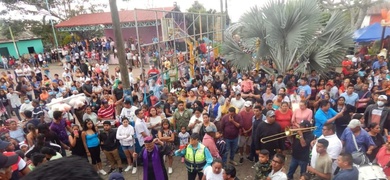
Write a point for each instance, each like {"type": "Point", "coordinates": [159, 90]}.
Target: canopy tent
{"type": "Point", "coordinates": [370, 33]}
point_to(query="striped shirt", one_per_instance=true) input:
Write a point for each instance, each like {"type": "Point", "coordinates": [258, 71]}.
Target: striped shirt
{"type": "Point", "coordinates": [108, 112]}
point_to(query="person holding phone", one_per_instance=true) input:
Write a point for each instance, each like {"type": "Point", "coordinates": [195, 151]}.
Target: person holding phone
{"type": "Point", "coordinates": [76, 143]}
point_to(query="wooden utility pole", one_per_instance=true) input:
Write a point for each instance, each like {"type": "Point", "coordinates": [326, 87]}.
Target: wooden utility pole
{"type": "Point", "coordinates": [119, 45]}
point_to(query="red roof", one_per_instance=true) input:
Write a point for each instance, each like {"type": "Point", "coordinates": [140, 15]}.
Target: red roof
{"type": "Point", "coordinates": [105, 17]}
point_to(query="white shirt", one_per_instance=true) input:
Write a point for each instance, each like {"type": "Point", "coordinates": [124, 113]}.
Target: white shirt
{"type": "Point", "coordinates": [25, 107]}
{"type": "Point", "coordinates": [333, 150]}
{"type": "Point", "coordinates": [277, 175]}
{"type": "Point", "coordinates": [140, 127]}
{"type": "Point", "coordinates": [198, 125]}
{"type": "Point", "coordinates": [125, 135]}
{"type": "Point", "coordinates": [210, 175]}
{"type": "Point", "coordinates": [129, 113]}
{"type": "Point", "coordinates": [238, 103]}
{"type": "Point", "coordinates": [14, 99]}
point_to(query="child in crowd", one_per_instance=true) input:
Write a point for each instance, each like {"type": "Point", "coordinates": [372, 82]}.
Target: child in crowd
{"type": "Point", "coordinates": [263, 167]}
{"type": "Point", "coordinates": [166, 135]}
{"type": "Point", "coordinates": [221, 146]}
{"type": "Point", "coordinates": [184, 137]}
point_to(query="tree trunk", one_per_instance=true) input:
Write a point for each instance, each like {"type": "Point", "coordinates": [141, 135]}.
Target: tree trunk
{"type": "Point", "coordinates": [360, 18]}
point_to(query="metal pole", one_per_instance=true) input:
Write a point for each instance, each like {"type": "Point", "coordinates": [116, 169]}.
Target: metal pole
{"type": "Point", "coordinates": [120, 47]}
{"type": "Point", "coordinates": [200, 27]}
{"type": "Point", "coordinates": [158, 50]}
{"type": "Point", "coordinates": [139, 45]}
{"type": "Point", "coordinates": [13, 40]}
{"type": "Point", "coordinates": [54, 31]}
{"type": "Point", "coordinates": [382, 37]}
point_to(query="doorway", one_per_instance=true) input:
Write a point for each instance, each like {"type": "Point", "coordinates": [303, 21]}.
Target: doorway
{"type": "Point", "coordinates": [31, 50]}
{"type": "Point", "coordinates": [4, 52]}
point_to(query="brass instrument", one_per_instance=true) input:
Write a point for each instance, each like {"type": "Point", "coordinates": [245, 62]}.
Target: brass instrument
{"type": "Point", "coordinates": [287, 132]}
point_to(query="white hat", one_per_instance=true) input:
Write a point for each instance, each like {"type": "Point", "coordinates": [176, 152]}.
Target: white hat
{"type": "Point", "coordinates": [87, 79]}
{"type": "Point", "coordinates": [239, 80]}
{"type": "Point", "coordinates": [248, 104]}
{"type": "Point", "coordinates": [383, 97]}
{"type": "Point", "coordinates": [354, 123]}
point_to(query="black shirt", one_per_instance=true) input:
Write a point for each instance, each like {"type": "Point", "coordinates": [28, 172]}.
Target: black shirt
{"type": "Point", "coordinates": [302, 153]}
{"type": "Point", "coordinates": [118, 93]}
{"type": "Point", "coordinates": [265, 129]}
{"type": "Point", "coordinates": [109, 140]}
{"type": "Point", "coordinates": [167, 106]}
{"type": "Point", "coordinates": [3, 99]}
{"type": "Point", "coordinates": [78, 149]}
{"type": "Point", "coordinates": [88, 88]}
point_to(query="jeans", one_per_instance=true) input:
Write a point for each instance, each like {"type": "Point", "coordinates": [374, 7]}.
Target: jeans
{"type": "Point", "coordinates": [192, 175]}
{"type": "Point", "coordinates": [253, 155]}
{"type": "Point", "coordinates": [293, 166]}
{"type": "Point", "coordinates": [16, 110]}
{"type": "Point", "coordinates": [5, 65]}
{"type": "Point", "coordinates": [231, 147]}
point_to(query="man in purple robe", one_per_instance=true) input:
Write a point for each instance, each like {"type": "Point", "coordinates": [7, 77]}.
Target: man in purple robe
{"type": "Point", "coordinates": [151, 155]}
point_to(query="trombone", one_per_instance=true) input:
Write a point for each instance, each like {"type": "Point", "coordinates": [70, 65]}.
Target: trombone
{"type": "Point", "coordinates": [287, 132]}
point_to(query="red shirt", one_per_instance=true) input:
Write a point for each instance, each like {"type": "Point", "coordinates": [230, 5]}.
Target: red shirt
{"type": "Point", "coordinates": [284, 120]}
{"type": "Point", "coordinates": [106, 112]}
{"type": "Point", "coordinates": [246, 122]}
{"type": "Point", "coordinates": [153, 71]}
{"type": "Point", "coordinates": [383, 158]}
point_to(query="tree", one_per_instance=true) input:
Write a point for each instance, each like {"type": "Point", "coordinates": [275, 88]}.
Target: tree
{"type": "Point", "coordinates": [290, 34]}
{"type": "Point", "coordinates": [357, 9]}
{"type": "Point", "coordinates": [61, 9]}
{"type": "Point", "coordinates": [17, 28]}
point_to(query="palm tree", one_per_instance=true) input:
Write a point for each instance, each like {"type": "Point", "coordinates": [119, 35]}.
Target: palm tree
{"type": "Point", "coordinates": [292, 34]}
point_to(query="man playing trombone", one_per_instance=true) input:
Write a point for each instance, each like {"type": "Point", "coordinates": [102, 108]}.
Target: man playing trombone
{"type": "Point", "coordinates": [266, 129]}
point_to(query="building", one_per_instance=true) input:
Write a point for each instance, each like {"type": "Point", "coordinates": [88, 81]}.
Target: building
{"type": "Point", "coordinates": [374, 13]}
{"type": "Point", "coordinates": [25, 43]}
{"type": "Point", "coordinates": [151, 23]}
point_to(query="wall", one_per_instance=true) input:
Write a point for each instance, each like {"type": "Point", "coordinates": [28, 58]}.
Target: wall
{"type": "Point", "coordinates": [36, 43]}
{"type": "Point", "coordinates": [145, 33]}
{"type": "Point", "coordinates": [23, 46]}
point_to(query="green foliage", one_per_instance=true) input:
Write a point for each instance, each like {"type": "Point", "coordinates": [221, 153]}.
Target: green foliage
{"type": "Point", "coordinates": [17, 28]}
{"type": "Point", "coordinates": [68, 39]}
{"type": "Point", "coordinates": [294, 34]}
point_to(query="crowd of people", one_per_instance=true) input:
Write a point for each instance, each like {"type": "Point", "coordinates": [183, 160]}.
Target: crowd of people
{"type": "Point", "coordinates": [214, 121]}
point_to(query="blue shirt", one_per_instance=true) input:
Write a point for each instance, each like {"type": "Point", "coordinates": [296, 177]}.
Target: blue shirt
{"type": "Point", "coordinates": [377, 65]}
{"type": "Point", "coordinates": [306, 88]}
{"type": "Point", "coordinates": [350, 99]}
{"type": "Point", "coordinates": [320, 118]}
{"type": "Point", "coordinates": [363, 141]}
{"type": "Point", "coordinates": [209, 158]}
{"type": "Point", "coordinates": [351, 174]}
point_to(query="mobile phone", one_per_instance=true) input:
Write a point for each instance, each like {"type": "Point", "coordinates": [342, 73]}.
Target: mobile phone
{"type": "Point", "coordinates": [76, 132]}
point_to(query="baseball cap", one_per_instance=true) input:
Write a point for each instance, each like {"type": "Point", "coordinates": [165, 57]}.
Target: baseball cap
{"type": "Point", "coordinates": [248, 104]}
{"type": "Point", "coordinates": [329, 84]}
{"type": "Point", "coordinates": [210, 129]}
{"type": "Point", "coordinates": [383, 97]}
{"type": "Point", "coordinates": [270, 113]}
{"type": "Point", "coordinates": [305, 124]}
{"type": "Point", "coordinates": [239, 80]}
{"type": "Point", "coordinates": [116, 176]}
{"type": "Point", "coordinates": [354, 123]}
{"type": "Point", "coordinates": [6, 161]}
{"type": "Point", "coordinates": [87, 79]}
{"type": "Point", "coordinates": [104, 101]}
{"type": "Point", "coordinates": [4, 144]}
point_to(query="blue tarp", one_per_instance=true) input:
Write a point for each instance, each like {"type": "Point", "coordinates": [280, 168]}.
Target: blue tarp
{"type": "Point", "coordinates": [370, 33]}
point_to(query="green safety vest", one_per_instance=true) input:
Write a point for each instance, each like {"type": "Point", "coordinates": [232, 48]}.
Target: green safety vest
{"type": "Point", "coordinates": [195, 159]}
